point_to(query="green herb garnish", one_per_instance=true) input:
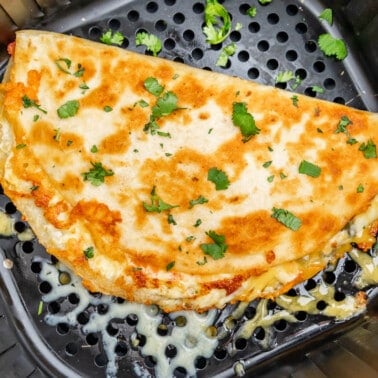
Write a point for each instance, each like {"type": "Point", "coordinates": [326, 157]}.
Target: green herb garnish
{"type": "Point", "coordinates": [153, 86]}
{"type": "Point", "coordinates": [217, 249]}
{"type": "Point", "coordinates": [285, 76]}
{"type": "Point", "coordinates": [89, 252]}
{"type": "Point", "coordinates": [96, 175]}
{"type": "Point", "coordinates": [286, 218]}
{"type": "Point", "coordinates": [198, 201]}
{"type": "Point", "coordinates": [342, 125]}
{"type": "Point", "coordinates": [69, 109]}
{"type": "Point", "coordinates": [294, 100]}
{"type": "Point", "coordinates": [112, 38]}
{"type": "Point", "coordinates": [226, 52]}
{"type": "Point", "coordinates": [368, 149]}
{"type": "Point", "coordinates": [165, 105]}
{"type": "Point", "coordinates": [251, 12]}
{"type": "Point", "coordinates": [56, 136]}
{"type": "Point", "coordinates": [270, 178]}
{"type": "Point", "coordinates": [244, 120]}
{"type": "Point", "coordinates": [107, 108]}
{"type": "Point", "coordinates": [94, 149]}
{"type": "Point", "coordinates": [40, 308]}
{"type": "Point", "coordinates": [267, 164]}
{"type": "Point", "coordinates": [20, 146]}
{"type": "Point", "coordinates": [265, 1]}
{"type": "Point", "coordinates": [29, 103]}
{"type": "Point", "coordinates": [170, 265]}
{"type": "Point", "coordinates": [171, 220]}
{"type": "Point", "coordinates": [203, 262]}
{"type": "Point", "coordinates": [157, 205]}
{"type": "Point", "coordinates": [198, 223]}
{"type": "Point", "coordinates": [360, 188]}
{"type": "Point", "coordinates": [217, 22]}
{"type": "Point", "coordinates": [327, 16]}
{"type": "Point", "coordinates": [64, 64]}
{"type": "Point", "coordinates": [331, 46]}
{"type": "Point", "coordinates": [151, 41]}
{"type": "Point", "coordinates": [309, 169]}
{"type": "Point", "coordinates": [219, 178]}
{"type": "Point", "coordinates": [317, 89]}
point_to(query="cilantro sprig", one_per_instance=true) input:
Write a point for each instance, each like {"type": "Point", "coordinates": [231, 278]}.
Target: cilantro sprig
{"type": "Point", "coordinates": [151, 41]}
{"type": "Point", "coordinates": [217, 249]}
{"type": "Point", "coordinates": [225, 54]}
{"type": "Point", "coordinates": [369, 149]}
{"type": "Point", "coordinates": [198, 201]}
{"type": "Point", "coordinates": [217, 22]}
{"type": "Point", "coordinates": [157, 205]}
{"type": "Point", "coordinates": [68, 109]}
{"type": "Point", "coordinates": [29, 103]}
{"type": "Point", "coordinates": [64, 64]}
{"type": "Point", "coordinates": [96, 175]}
{"type": "Point", "coordinates": [244, 120]}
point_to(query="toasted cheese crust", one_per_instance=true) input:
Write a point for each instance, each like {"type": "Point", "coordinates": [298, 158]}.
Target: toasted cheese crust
{"type": "Point", "coordinates": [157, 256]}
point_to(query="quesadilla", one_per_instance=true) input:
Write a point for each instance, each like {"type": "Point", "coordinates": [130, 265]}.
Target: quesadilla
{"type": "Point", "coordinates": [162, 183]}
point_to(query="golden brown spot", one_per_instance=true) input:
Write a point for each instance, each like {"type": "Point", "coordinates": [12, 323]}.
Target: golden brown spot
{"type": "Point", "coordinates": [116, 143]}
{"type": "Point", "coordinates": [52, 214]}
{"type": "Point", "coordinates": [204, 116]}
{"type": "Point", "coordinates": [270, 256]}
{"type": "Point", "coordinates": [229, 285]}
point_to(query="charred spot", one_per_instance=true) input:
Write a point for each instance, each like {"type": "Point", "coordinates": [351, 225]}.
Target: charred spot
{"type": "Point", "coordinates": [270, 256]}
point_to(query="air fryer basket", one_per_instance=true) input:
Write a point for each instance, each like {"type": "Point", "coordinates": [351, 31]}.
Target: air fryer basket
{"type": "Point", "coordinates": [281, 37]}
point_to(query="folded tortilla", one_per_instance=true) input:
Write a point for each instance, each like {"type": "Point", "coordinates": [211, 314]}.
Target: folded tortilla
{"type": "Point", "coordinates": [161, 183]}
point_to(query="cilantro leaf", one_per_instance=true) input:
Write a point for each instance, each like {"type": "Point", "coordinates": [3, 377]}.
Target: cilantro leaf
{"type": "Point", "coordinates": [317, 89]}
{"type": "Point", "coordinates": [96, 175]}
{"type": "Point", "coordinates": [369, 149]}
{"type": "Point", "coordinates": [64, 64]}
{"type": "Point", "coordinates": [151, 41]}
{"type": "Point", "coordinates": [217, 249]}
{"type": "Point", "coordinates": [165, 105]}
{"type": "Point", "coordinates": [285, 76]}
{"type": "Point", "coordinates": [309, 169]}
{"type": "Point", "coordinates": [107, 109]}
{"type": "Point", "coordinates": [265, 1]}
{"type": "Point", "coordinates": [331, 46]}
{"type": "Point", "coordinates": [170, 265]}
{"type": "Point", "coordinates": [111, 38]}
{"type": "Point", "coordinates": [327, 16]}
{"type": "Point", "coordinates": [360, 188]}
{"type": "Point", "coordinates": [244, 120]}
{"type": "Point", "coordinates": [199, 201]}
{"type": "Point", "coordinates": [226, 52]}
{"type": "Point", "coordinates": [342, 125]}
{"type": "Point", "coordinates": [153, 86]}
{"type": "Point", "coordinates": [69, 109]}
{"type": "Point", "coordinates": [217, 22]}
{"type": "Point", "coordinates": [157, 205]}
{"type": "Point", "coordinates": [287, 218]}
{"type": "Point", "coordinates": [294, 100]}
{"type": "Point", "coordinates": [219, 178]}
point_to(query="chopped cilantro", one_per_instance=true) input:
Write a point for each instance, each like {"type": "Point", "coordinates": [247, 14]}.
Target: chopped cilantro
{"type": "Point", "coordinates": [198, 201]}
{"type": "Point", "coordinates": [294, 100]}
{"type": "Point", "coordinates": [190, 238]}
{"type": "Point", "coordinates": [217, 249]}
{"type": "Point", "coordinates": [270, 178]}
{"type": "Point", "coordinates": [244, 120]}
{"type": "Point", "coordinates": [64, 64]}
{"type": "Point", "coordinates": [34, 187]}
{"type": "Point", "coordinates": [56, 136]}
{"type": "Point", "coordinates": [20, 146]}
{"type": "Point", "coordinates": [40, 308]}
{"type": "Point", "coordinates": [368, 149]}
{"type": "Point", "coordinates": [352, 141]}
{"type": "Point", "coordinates": [35, 118]}
{"type": "Point", "coordinates": [251, 12]}
{"type": "Point", "coordinates": [219, 178]}
{"type": "Point", "coordinates": [265, 1]}
{"type": "Point", "coordinates": [69, 142]}
{"type": "Point", "coordinates": [309, 169]}
{"type": "Point", "coordinates": [157, 204]}
{"type": "Point", "coordinates": [285, 76]}
{"type": "Point", "coordinates": [96, 175]}
{"type": "Point", "coordinates": [83, 86]}
{"type": "Point", "coordinates": [151, 41]}
{"type": "Point", "coordinates": [297, 83]}
{"type": "Point", "coordinates": [238, 26]}
{"type": "Point", "coordinates": [28, 103]}
{"type": "Point", "coordinates": [327, 16]}
{"type": "Point", "coordinates": [163, 134]}
{"type": "Point", "coordinates": [153, 86]}
{"type": "Point", "coordinates": [226, 52]}
{"type": "Point", "coordinates": [89, 252]}
{"type": "Point", "coordinates": [270, 149]}
{"type": "Point", "coordinates": [170, 265]}
{"type": "Point", "coordinates": [331, 46]}
{"type": "Point", "coordinates": [198, 223]}
{"type": "Point", "coordinates": [360, 188]}
{"type": "Point", "coordinates": [286, 218]}
{"type": "Point", "coordinates": [171, 220]}
{"type": "Point", "coordinates": [342, 125]}
{"type": "Point", "coordinates": [340, 187]}
{"type": "Point", "coordinates": [282, 175]}
{"type": "Point", "coordinates": [319, 130]}
{"type": "Point", "coordinates": [217, 22]}
{"type": "Point", "coordinates": [107, 108]}
{"type": "Point", "coordinates": [69, 109]}
{"type": "Point", "coordinates": [94, 149]}
{"type": "Point", "coordinates": [317, 89]}
{"type": "Point", "coordinates": [80, 71]}
{"type": "Point", "coordinates": [142, 103]}
{"type": "Point", "coordinates": [267, 164]}
{"type": "Point", "coordinates": [112, 38]}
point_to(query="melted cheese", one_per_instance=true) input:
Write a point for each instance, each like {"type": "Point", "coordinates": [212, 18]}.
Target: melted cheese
{"type": "Point", "coordinates": [133, 247]}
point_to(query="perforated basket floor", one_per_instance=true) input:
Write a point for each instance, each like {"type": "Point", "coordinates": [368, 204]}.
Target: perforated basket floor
{"type": "Point", "coordinates": [281, 37]}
